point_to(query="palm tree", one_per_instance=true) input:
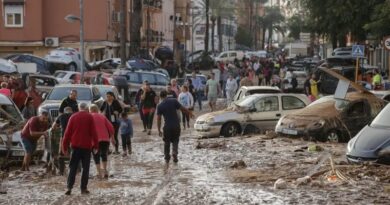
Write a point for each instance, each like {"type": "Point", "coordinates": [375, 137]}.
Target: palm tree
{"type": "Point", "coordinates": [136, 24]}
{"type": "Point", "coordinates": [271, 21]}
{"type": "Point", "coordinates": [215, 12]}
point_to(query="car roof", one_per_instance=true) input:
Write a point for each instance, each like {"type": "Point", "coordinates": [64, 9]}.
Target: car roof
{"type": "Point", "coordinates": [42, 75]}
{"type": "Point", "coordinates": [66, 71]}
{"type": "Point", "coordinates": [123, 72]}
{"type": "Point", "coordinates": [260, 88]}
{"type": "Point", "coordinates": [5, 100]}
{"type": "Point", "coordinates": [74, 86]}
{"type": "Point", "coordinates": [276, 94]}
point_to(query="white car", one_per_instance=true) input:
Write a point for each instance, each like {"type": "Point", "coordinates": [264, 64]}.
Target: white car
{"type": "Point", "coordinates": [245, 91]}
{"type": "Point", "coordinates": [69, 57]}
{"type": "Point", "coordinates": [229, 56]}
{"type": "Point", "coordinates": [254, 113]}
{"type": "Point", "coordinates": [382, 94]}
{"type": "Point", "coordinates": [67, 77]}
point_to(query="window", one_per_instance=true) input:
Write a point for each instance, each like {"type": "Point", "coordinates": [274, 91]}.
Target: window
{"type": "Point", "coordinates": [13, 15]}
{"type": "Point", "coordinates": [224, 55]}
{"type": "Point", "coordinates": [133, 78]}
{"type": "Point", "coordinates": [149, 78]}
{"type": "Point", "coordinates": [44, 81]}
{"type": "Point", "coordinates": [267, 104]}
{"type": "Point", "coordinates": [292, 103]}
{"type": "Point", "coordinates": [161, 80]}
{"type": "Point", "coordinates": [233, 54]}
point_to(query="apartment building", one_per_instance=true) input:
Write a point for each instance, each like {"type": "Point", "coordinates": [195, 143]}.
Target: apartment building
{"type": "Point", "coordinates": [38, 26]}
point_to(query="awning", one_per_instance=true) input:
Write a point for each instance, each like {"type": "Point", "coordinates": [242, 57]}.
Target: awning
{"type": "Point", "coordinates": [13, 2]}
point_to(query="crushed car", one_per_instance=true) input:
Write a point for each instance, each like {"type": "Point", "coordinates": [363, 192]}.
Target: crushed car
{"type": "Point", "coordinates": [333, 119]}
{"type": "Point", "coordinates": [255, 113]}
{"type": "Point", "coordinates": [372, 143]}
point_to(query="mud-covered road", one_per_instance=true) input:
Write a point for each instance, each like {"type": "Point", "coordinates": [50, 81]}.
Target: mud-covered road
{"type": "Point", "coordinates": [239, 170]}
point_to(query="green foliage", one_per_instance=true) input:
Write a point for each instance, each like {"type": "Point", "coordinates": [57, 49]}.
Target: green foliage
{"type": "Point", "coordinates": [243, 37]}
{"type": "Point", "coordinates": [380, 18]}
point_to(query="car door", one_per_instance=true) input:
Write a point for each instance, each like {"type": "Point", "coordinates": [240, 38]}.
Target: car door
{"type": "Point", "coordinates": [96, 97]}
{"type": "Point", "coordinates": [265, 113]}
{"type": "Point", "coordinates": [356, 115]}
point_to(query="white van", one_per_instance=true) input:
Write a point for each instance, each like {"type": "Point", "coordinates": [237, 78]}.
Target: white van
{"type": "Point", "coordinates": [229, 56]}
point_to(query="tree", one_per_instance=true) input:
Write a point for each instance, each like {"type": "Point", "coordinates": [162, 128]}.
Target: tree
{"type": "Point", "coordinates": [135, 27]}
{"type": "Point", "coordinates": [296, 25]}
{"type": "Point", "coordinates": [271, 21]}
{"type": "Point", "coordinates": [243, 37]}
{"type": "Point", "coordinates": [380, 18]}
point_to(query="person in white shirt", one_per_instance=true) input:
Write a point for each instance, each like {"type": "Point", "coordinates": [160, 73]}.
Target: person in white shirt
{"type": "Point", "coordinates": [231, 88]}
{"type": "Point", "coordinates": [186, 100]}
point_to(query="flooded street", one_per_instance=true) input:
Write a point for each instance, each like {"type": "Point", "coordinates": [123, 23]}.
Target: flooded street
{"type": "Point", "coordinates": [238, 170]}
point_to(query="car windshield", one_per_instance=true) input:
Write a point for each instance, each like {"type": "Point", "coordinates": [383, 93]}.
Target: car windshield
{"type": "Point", "coordinates": [59, 93]}
{"type": "Point", "coordinates": [246, 102]}
{"type": "Point", "coordinates": [383, 118]}
{"type": "Point", "coordinates": [8, 112]}
{"type": "Point", "coordinates": [59, 75]}
{"type": "Point", "coordinates": [339, 103]}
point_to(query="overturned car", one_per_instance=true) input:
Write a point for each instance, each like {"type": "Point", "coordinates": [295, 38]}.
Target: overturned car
{"type": "Point", "coordinates": [331, 118]}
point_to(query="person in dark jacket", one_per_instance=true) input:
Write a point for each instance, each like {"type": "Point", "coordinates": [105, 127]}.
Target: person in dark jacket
{"type": "Point", "coordinates": [70, 101]}
{"type": "Point", "coordinates": [28, 109]}
{"type": "Point", "coordinates": [111, 108]}
{"type": "Point", "coordinates": [149, 102]}
{"type": "Point", "coordinates": [138, 102]}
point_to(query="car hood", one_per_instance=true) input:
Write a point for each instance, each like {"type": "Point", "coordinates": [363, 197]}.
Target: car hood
{"type": "Point", "coordinates": [220, 116]}
{"type": "Point", "coordinates": [368, 141]}
{"type": "Point", "coordinates": [56, 103]}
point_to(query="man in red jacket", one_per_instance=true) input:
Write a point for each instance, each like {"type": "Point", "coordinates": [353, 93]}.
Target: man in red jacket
{"type": "Point", "coordinates": [81, 135]}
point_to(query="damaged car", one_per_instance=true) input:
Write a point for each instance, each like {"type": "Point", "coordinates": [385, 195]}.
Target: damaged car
{"type": "Point", "coordinates": [255, 113]}
{"type": "Point", "coordinates": [372, 143]}
{"type": "Point", "coordinates": [331, 118]}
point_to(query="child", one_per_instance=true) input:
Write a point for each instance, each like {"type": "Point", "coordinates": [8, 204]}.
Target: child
{"type": "Point", "coordinates": [187, 101]}
{"type": "Point", "coordinates": [126, 128]}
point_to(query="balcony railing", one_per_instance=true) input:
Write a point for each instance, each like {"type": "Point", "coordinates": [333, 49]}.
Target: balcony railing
{"type": "Point", "coordinates": [153, 4]}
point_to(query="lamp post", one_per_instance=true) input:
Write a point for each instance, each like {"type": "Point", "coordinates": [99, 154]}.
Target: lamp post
{"type": "Point", "coordinates": [71, 19]}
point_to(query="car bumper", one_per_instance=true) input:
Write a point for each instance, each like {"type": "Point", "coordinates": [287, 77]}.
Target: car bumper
{"type": "Point", "coordinates": [205, 130]}
{"type": "Point", "coordinates": [290, 131]}
{"type": "Point", "coordinates": [359, 160]}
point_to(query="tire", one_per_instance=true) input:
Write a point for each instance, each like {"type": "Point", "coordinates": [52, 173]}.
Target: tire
{"type": "Point", "coordinates": [230, 129]}
{"type": "Point", "coordinates": [333, 136]}
{"type": "Point", "coordinates": [72, 67]}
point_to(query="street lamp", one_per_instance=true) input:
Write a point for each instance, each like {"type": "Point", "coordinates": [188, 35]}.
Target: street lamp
{"type": "Point", "coordinates": [71, 19]}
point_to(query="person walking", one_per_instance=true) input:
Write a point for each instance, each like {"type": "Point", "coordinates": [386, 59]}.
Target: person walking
{"type": "Point", "coordinates": [174, 87]}
{"type": "Point", "coordinates": [191, 89]}
{"type": "Point", "coordinates": [105, 133]}
{"type": "Point", "coordinates": [62, 122]}
{"type": "Point", "coordinates": [171, 93]}
{"type": "Point", "coordinates": [35, 128]}
{"type": "Point", "coordinates": [111, 108]}
{"type": "Point", "coordinates": [171, 131]}
{"type": "Point", "coordinates": [186, 100]}
{"type": "Point", "coordinates": [212, 91]}
{"type": "Point", "coordinates": [126, 128]}
{"type": "Point", "coordinates": [377, 80]}
{"type": "Point", "coordinates": [149, 101]}
{"type": "Point", "coordinates": [70, 101]}
{"type": "Point", "coordinates": [198, 89]}
{"type": "Point", "coordinates": [29, 110]}
{"type": "Point", "coordinates": [313, 87]}
{"type": "Point", "coordinates": [82, 137]}
{"type": "Point", "coordinates": [231, 88]}
{"type": "Point", "coordinates": [138, 101]}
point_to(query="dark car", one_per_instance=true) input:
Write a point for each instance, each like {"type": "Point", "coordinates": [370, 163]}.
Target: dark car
{"type": "Point", "coordinates": [372, 143]}
{"type": "Point", "coordinates": [43, 66]}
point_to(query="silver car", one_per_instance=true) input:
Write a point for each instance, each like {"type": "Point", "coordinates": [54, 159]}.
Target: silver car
{"type": "Point", "coordinates": [254, 113]}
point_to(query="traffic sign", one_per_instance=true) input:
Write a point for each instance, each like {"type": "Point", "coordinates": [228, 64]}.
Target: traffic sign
{"type": "Point", "coordinates": [387, 42]}
{"type": "Point", "coordinates": [358, 51]}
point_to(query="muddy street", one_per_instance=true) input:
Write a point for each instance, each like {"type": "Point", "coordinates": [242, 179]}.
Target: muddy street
{"type": "Point", "coordinates": [238, 170]}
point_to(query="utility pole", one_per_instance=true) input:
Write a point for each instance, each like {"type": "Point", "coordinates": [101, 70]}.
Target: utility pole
{"type": "Point", "coordinates": [174, 29]}
{"type": "Point", "coordinates": [123, 34]}
{"type": "Point", "coordinates": [148, 25]}
{"type": "Point", "coordinates": [82, 40]}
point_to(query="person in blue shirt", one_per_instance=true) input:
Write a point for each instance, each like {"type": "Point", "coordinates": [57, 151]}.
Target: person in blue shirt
{"type": "Point", "coordinates": [126, 129]}
{"type": "Point", "coordinates": [198, 89]}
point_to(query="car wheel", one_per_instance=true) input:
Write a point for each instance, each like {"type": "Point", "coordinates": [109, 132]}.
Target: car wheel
{"type": "Point", "coordinates": [333, 136]}
{"type": "Point", "coordinates": [72, 67]}
{"type": "Point", "coordinates": [230, 129]}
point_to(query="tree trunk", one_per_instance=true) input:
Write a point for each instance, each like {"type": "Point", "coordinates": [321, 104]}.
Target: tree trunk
{"type": "Point", "coordinates": [219, 25]}
{"type": "Point", "coordinates": [270, 32]}
{"type": "Point", "coordinates": [206, 36]}
{"type": "Point", "coordinates": [263, 37]}
{"type": "Point", "coordinates": [136, 24]}
{"type": "Point", "coordinates": [213, 19]}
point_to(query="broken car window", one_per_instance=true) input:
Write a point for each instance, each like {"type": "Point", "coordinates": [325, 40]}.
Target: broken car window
{"type": "Point", "coordinates": [267, 104]}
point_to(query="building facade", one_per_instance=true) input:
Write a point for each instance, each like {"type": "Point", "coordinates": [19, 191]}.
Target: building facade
{"type": "Point", "coordinates": [38, 26]}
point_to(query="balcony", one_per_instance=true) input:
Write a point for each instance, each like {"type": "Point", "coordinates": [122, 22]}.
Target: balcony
{"type": "Point", "coordinates": [154, 36]}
